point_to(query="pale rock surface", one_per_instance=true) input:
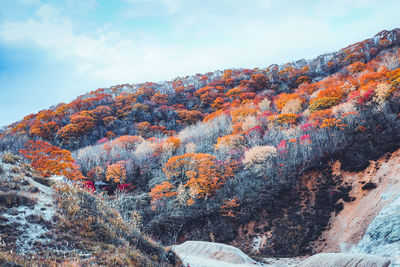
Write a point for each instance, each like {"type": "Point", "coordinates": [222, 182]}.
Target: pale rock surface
{"type": "Point", "coordinates": [345, 260]}
{"type": "Point", "coordinates": [383, 234]}
{"type": "Point", "coordinates": [207, 254]}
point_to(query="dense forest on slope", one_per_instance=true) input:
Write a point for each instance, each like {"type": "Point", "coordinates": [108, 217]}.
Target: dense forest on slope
{"type": "Point", "coordinates": [199, 157]}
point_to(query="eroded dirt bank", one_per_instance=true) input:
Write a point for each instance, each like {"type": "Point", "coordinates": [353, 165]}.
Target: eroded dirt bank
{"type": "Point", "coordinates": [371, 190]}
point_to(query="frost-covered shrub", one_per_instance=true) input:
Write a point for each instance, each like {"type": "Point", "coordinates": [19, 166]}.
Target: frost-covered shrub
{"type": "Point", "coordinates": [382, 91]}
{"type": "Point", "coordinates": [257, 159]}
{"type": "Point", "coordinates": [249, 123]}
{"type": "Point", "coordinates": [145, 149]}
{"type": "Point", "coordinates": [391, 61]}
{"type": "Point", "coordinates": [206, 134]}
{"type": "Point", "coordinates": [265, 105]}
{"type": "Point", "coordinates": [292, 106]}
{"type": "Point", "coordinates": [343, 108]}
{"type": "Point", "coordinates": [190, 148]}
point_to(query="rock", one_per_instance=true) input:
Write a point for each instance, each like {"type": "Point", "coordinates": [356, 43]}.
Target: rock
{"type": "Point", "coordinates": [344, 260]}
{"type": "Point", "coordinates": [34, 189]}
{"type": "Point", "coordinates": [383, 234]}
{"type": "Point", "coordinates": [369, 186]}
{"type": "Point", "coordinates": [200, 253]}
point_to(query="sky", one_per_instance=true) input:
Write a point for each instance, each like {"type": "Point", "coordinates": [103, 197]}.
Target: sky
{"type": "Point", "coordinates": [52, 51]}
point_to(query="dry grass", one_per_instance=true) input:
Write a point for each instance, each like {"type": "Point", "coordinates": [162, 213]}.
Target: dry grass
{"type": "Point", "coordinates": [10, 158]}
{"type": "Point", "coordinates": [85, 231]}
{"type": "Point", "coordinates": [101, 231]}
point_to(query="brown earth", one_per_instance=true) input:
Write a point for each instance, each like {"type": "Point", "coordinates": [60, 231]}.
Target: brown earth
{"type": "Point", "coordinates": [348, 227]}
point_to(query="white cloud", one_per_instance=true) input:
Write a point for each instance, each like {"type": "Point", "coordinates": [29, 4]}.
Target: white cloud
{"type": "Point", "coordinates": [48, 13]}
{"type": "Point", "coordinates": [82, 48]}
{"type": "Point", "coordinates": [228, 34]}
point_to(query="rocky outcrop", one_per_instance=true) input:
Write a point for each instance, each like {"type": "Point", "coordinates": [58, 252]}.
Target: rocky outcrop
{"type": "Point", "coordinates": [383, 234]}
{"type": "Point", "coordinates": [371, 190]}
{"type": "Point", "coordinates": [345, 260]}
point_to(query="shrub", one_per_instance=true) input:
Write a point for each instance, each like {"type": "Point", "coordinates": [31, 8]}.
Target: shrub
{"type": "Point", "coordinates": [257, 158]}
{"type": "Point", "coordinates": [332, 122]}
{"type": "Point", "coordinates": [283, 98]}
{"type": "Point", "coordinates": [249, 123]}
{"type": "Point", "coordinates": [284, 119]}
{"type": "Point", "coordinates": [343, 108]}
{"type": "Point", "coordinates": [317, 117]}
{"type": "Point", "coordinates": [230, 142]}
{"type": "Point", "coordinates": [323, 103]}
{"type": "Point", "coordinates": [382, 91]}
{"type": "Point", "coordinates": [292, 106]}
{"type": "Point", "coordinates": [265, 105]}
{"type": "Point", "coordinates": [10, 158]}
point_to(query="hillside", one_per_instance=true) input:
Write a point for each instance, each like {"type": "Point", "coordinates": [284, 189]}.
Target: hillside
{"type": "Point", "coordinates": [271, 160]}
{"type": "Point", "coordinates": [50, 223]}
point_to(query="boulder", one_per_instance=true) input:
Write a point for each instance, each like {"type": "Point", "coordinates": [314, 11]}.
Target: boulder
{"type": "Point", "coordinates": [200, 253]}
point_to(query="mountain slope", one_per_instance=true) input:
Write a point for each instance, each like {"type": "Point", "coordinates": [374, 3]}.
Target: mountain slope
{"type": "Point", "coordinates": [243, 157]}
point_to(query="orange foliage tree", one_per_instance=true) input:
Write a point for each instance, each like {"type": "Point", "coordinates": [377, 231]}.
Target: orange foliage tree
{"type": "Point", "coordinates": [127, 141]}
{"type": "Point", "coordinates": [283, 98]}
{"type": "Point", "coordinates": [190, 116]}
{"type": "Point", "coordinates": [284, 119]}
{"type": "Point", "coordinates": [230, 207]}
{"type": "Point", "coordinates": [116, 172]}
{"type": "Point", "coordinates": [232, 141]}
{"type": "Point", "coordinates": [198, 172]}
{"type": "Point", "coordinates": [144, 128]}
{"type": "Point", "coordinates": [50, 160]}
{"type": "Point", "coordinates": [165, 189]}
{"type": "Point", "coordinates": [174, 142]}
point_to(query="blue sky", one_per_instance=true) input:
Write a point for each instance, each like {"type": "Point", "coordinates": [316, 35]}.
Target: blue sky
{"type": "Point", "coordinates": [54, 50]}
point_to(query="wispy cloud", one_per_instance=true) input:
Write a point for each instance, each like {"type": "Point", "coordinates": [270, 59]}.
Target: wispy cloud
{"type": "Point", "coordinates": [105, 43]}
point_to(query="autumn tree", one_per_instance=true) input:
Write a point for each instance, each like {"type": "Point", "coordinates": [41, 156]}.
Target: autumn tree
{"type": "Point", "coordinates": [127, 141]}
{"type": "Point", "coordinates": [144, 128]}
{"type": "Point", "coordinates": [102, 112]}
{"type": "Point", "coordinates": [258, 82]}
{"type": "Point", "coordinates": [200, 173]}
{"type": "Point", "coordinates": [116, 172]}
{"type": "Point", "coordinates": [230, 207]}
{"type": "Point", "coordinates": [283, 98]}
{"type": "Point", "coordinates": [50, 160]}
{"type": "Point", "coordinates": [228, 142]}
{"type": "Point", "coordinates": [190, 116]}
{"type": "Point", "coordinates": [44, 130]}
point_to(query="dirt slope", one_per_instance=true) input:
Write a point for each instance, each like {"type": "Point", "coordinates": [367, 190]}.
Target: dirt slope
{"type": "Point", "coordinates": [372, 189]}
